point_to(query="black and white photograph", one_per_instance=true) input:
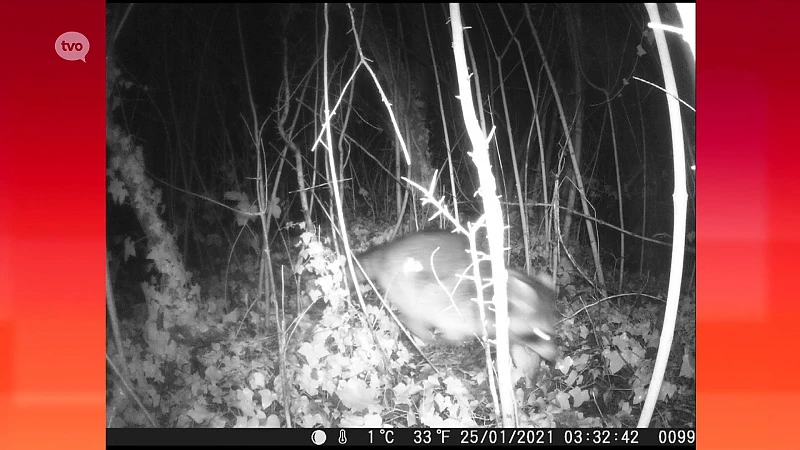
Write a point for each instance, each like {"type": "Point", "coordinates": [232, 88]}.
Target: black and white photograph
{"type": "Point", "coordinates": [410, 215]}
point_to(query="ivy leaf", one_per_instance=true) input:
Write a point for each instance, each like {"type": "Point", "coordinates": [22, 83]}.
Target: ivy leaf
{"type": "Point", "coordinates": [118, 192]}
{"type": "Point", "coordinates": [130, 249]}
{"type": "Point", "coordinates": [274, 209]}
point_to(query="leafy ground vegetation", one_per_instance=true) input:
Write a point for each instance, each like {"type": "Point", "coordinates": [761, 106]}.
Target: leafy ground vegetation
{"type": "Point", "coordinates": [344, 367]}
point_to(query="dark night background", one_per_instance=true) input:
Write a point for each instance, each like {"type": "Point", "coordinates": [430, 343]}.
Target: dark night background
{"type": "Point", "coordinates": [189, 95]}
{"type": "Point", "coordinates": [206, 88]}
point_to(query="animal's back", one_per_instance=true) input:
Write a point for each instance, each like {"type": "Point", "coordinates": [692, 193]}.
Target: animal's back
{"type": "Point", "coordinates": [448, 250]}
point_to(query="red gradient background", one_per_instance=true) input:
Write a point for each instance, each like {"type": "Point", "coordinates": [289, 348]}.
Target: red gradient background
{"type": "Point", "coordinates": [52, 226]}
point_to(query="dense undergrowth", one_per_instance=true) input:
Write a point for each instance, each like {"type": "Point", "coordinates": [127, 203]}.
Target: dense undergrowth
{"type": "Point", "coordinates": [348, 369]}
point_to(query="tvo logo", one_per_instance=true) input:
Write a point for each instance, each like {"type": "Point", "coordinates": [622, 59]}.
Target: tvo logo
{"type": "Point", "coordinates": [72, 46]}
